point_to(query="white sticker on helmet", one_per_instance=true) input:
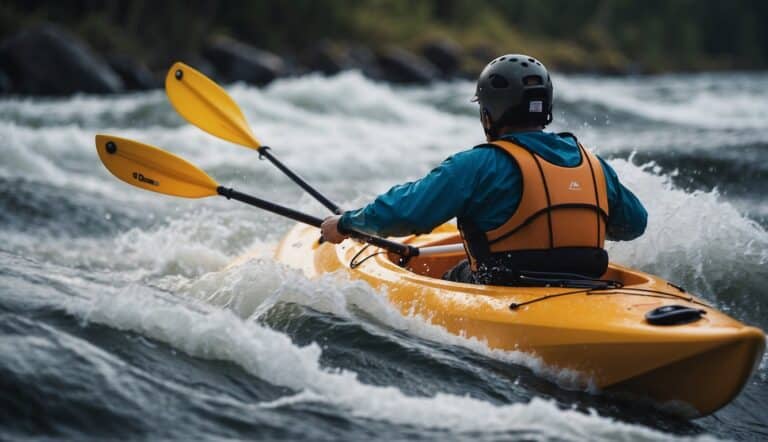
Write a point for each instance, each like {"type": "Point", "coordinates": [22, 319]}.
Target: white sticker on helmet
{"type": "Point", "coordinates": [536, 106]}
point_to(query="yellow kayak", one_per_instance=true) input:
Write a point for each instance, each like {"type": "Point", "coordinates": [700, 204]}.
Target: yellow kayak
{"type": "Point", "coordinates": [640, 335]}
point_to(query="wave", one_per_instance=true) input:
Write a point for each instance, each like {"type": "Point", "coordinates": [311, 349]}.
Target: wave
{"type": "Point", "coordinates": [91, 111]}
{"type": "Point", "coordinates": [714, 101]}
{"type": "Point", "coordinates": [220, 335]}
{"type": "Point", "coordinates": [153, 265]}
{"type": "Point", "coordinates": [697, 239]}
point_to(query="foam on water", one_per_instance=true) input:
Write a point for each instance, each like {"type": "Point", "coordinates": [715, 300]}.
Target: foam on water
{"type": "Point", "coordinates": [65, 157]}
{"type": "Point", "coordinates": [707, 101]}
{"type": "Point", "coordinates": [354, 138]}
{"type": "Point", "coordinates": [218, 334]}
{"type": "Point", "coordinates": [190, 244]}
{"type": "Point", "coordinates": [252, 288]}
{"type": "Point", "coordinates": [696, 237]}
{"type": "Point", "coordinates": [687, 231]}
{"type": "Point", "coordinates": [348, 119]}
{"type": "Point", "coordinates": [136, 109]}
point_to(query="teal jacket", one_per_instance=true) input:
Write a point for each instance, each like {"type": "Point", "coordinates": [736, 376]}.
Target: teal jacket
{"type": "Point", "coordinates": [483, 185]}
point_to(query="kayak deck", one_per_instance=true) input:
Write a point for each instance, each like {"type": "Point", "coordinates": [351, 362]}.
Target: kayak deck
{"type": "Point", "coordinates": [601, 334]}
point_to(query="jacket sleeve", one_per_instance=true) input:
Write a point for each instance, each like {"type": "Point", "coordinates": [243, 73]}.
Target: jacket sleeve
{"type": "Point", "coordinates": [417, 207]}
{"type": "Point", "coordinates": [627, 218]}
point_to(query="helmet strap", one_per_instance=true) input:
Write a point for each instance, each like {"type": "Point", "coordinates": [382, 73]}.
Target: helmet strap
{"type": "Point", "coordinates": [491, 131]}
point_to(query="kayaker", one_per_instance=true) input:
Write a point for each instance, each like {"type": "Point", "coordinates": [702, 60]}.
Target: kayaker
{"type": "Point", "coordinates": [527, 201]}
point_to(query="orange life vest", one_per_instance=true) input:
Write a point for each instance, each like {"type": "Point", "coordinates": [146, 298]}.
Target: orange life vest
{"type": "Point", "coordinates": [560, 208]}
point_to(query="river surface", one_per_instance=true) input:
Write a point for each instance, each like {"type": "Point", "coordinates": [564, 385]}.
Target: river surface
{"type": "Point", "coordinates": [119, 322]}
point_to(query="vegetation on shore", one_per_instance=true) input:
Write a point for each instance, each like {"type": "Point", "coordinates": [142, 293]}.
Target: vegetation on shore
{"type": "Point", "coordinates": [608, 36]}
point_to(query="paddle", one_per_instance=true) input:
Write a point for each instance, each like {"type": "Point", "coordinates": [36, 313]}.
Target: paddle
{"type": "Point", "coordinates": [154, 169]}
{"type": "Point", "coordinates": [206, 105]}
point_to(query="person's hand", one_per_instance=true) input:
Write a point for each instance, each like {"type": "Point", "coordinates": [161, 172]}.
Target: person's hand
{"type": "Point", "coordinates": [330, 230]}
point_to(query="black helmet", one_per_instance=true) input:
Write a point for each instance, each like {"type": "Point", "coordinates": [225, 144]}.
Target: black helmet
{"type": "Point", "coordinates": [514, 89]}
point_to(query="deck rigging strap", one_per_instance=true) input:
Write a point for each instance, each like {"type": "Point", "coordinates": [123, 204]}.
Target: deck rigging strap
{"type": "Point", "coordinates": [586, 285]}
{"type": "Point", "coordinates": [355, 263]}
{"type": "Point", "coordinates": [651, 293]}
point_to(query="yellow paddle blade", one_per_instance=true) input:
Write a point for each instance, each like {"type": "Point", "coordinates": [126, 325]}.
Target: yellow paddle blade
{"type": "Point", "coordinates": [154, 169]}
{"type": "Point", "coordinates": [206, 105]}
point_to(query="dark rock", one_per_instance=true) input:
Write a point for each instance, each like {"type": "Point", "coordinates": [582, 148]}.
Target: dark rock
{"type": "Point", "coordinates": [401, 66]}
{"type": "Point", "coordinates": [237, 61]}
{"type": "Point", "coordinates": [201, 64]}
{"type": "Point", "coordinates": [444, 54]}
{"type": "Point", "coordinates": [46, 60]}
{"type": "Point", "coordinates": [477, 57]}
{"type": "Point", "coordinates": [135, 75]}
{"type": "Point", "coordinates": [5, 83]}
{"type": "Point", "coordinates": [483, 54]}
{"type": "Point", "coordinates": [332, 58]}
{"type": "Point", "coordinates": [292, 66]}
{"type": "Point", "coordinates": [327, 58]}
{"type": "Point", "coordinates": [365, 60]}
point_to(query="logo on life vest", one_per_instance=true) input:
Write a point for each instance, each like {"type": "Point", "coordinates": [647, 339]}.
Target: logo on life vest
{"type": "Point", "coordinates": [574, 186]}
{"type": "Point", "coordinates": [145, 179]}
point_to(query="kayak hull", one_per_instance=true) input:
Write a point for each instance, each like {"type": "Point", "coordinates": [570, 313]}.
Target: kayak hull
{"type": "Point", "coordinates": [602, 336]}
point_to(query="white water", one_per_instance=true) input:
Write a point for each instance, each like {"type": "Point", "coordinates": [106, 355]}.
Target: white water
{"type": "Point", "coordinates": [704, 102]}
{"type": "Point", "coordinates": [218, 334]}
{"type": "Point", "coordinates": [353, 138]}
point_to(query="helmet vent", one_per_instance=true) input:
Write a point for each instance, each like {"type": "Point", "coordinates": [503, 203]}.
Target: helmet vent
{"type": "Point", "coordinates": [499, 82]}
{"type": "Point", "coordinates": [532, 80]}
{"type": "Point", "coordinates": [532, 60]}
{"type": "Point", "coordinates": [525, 65]}
{"type": "Point", "coordinates": [502, 58]}
{"type": "Point", "coordinates": [512, 59]}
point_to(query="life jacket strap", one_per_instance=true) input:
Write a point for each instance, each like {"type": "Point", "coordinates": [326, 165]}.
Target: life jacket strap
{"type": "Point", "coordinates": [530, 219]}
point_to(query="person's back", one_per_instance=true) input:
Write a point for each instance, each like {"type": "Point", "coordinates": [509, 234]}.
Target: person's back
{"type": "Point", "coordinates": [526, 201]}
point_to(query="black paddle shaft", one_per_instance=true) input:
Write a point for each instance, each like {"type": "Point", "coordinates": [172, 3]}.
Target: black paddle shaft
{"type": "Point", "coordinates": [264, 151]}
{"type": "Point", "coordinates": [403, 250]}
